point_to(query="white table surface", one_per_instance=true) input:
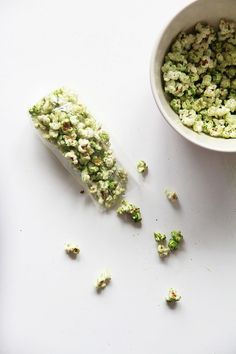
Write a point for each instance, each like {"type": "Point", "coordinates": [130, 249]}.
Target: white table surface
{"type": "Point", "coordinates": [48, 304]}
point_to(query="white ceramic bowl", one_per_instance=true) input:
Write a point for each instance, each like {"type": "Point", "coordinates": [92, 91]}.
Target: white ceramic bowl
{"type": "Point", "coordinates": [210, 11]}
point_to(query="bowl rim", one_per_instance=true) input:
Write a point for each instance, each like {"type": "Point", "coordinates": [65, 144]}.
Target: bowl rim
{"type": "Point", "coordinates": [158, 101]}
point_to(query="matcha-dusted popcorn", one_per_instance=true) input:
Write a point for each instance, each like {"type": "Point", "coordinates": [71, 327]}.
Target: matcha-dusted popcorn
{"type": "Point", "coordinates": [67, 126]}
{"type": "Point", "coordinates": [164, 247]}
{"type": "Point", "coordinates": [173, 245]}
{"type": "Point", "coordinates": [175, 240]}
{"type": "Point", "coordinates": [130, 209]}
{"type": "Point", "coordinates": [199, 75]}
{"type": "Point", "coordinates": [159, 237]}
{"type": "Point", "coordinates": [177, 236]}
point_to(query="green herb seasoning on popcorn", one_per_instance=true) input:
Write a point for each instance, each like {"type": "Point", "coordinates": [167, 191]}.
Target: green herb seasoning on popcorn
{"type": "Point", "coordinates": [177, 236]}
{"type": "Point", "coordinates": [199, 74]}
{"type": "Point", "coordinates": [159, 237]}
{"type": "Point", "coordinates": [173, 245]}
{"type": "Point", "coordinates": [130, 209]}
{"type": "Point", "coordinates": [67, 126]}
{"type": "Point", "coordinates": [175, 240]}
{"type": "Point", "coordinates": [164, 248]}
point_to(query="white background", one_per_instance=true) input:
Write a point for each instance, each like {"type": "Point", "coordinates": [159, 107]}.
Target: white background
{"type": "Point", "coordinates": [48, 304]}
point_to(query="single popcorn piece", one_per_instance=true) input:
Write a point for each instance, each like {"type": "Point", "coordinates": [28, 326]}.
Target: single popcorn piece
{"type": "Point", "coordinates": [103, 280]}
{"type": "Point", "coordinates": [130, 209]}
{"type": "Point", "coordinates": [142, 166]}
{"type": "Point", "coordinates": [72, 249]}
{"type": "Point", "coordinates": [177, 236]}
{"type": "Point", "coordinates": [175, 240]}
{"type": "Point", "coordinates": [163, 251]}
{"type": "Point", "coordinates": [78, 140]}
{"type": "Point", "coordinates": [187, 116]}
{"type": "Point", "coordinates": [199, 76]}
{"type": "Point", "coordinates": [171, 196]}
{"type": "Point", "coordinates": [159, 237]}
{"type": "Point", "coordinates": [173, 245]}
{"type": "Point", "coordinates": [173, 296]}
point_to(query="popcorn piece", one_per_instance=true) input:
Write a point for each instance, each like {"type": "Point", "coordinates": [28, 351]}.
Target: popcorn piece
{"type": "Point", "coordinates": [72, 249]}
{"type": "Point", "coordinates": [173, 296]}
{"type": "Point", "coordinates": [142, 166]}
{"type": "Point", "coordinates": [130, 209]}
{"type": "Point", "coordinates": [163, 250]}
{"type": "Point", "coordinates": [171, 196]}
{"type": "Point", "coordinates": [159, 237]}
{"type": "Point", "coordinates": [102, 281]}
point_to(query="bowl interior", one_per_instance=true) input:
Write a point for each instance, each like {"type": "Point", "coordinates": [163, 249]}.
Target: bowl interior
{"type": "Point", "coordinates": [210, 11]}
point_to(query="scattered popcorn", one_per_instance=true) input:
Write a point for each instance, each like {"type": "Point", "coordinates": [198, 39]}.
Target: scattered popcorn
{"type": "Point", "coordinates": [164, 248]}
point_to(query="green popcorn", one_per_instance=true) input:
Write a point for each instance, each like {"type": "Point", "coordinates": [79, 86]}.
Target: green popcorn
{"type": "Point", "coordinates": [136, 215]}
{"type": "Point", "coordinates": [175, 240]}
{"type": "Point", "coordinates": [173, 245]}
{"type": "Point", "coordinates": [225, 82]}
{"type": "Point", "coordinates": [176, 104]}
{"type": "Point", "coordinates": [206, 80]}
{"type": "Point", "coordinates": [231, 72]}
{"type": "Point", "coordinates": [130, 209]}
{"type": "Point", "coordinates": [177, 236]}
{"type": "Point", "coordinates": [217, 77]}
{"type": "Point", "coordinates": [159, 237]}
{"type": "Point", "coordinates": [233, 84]}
